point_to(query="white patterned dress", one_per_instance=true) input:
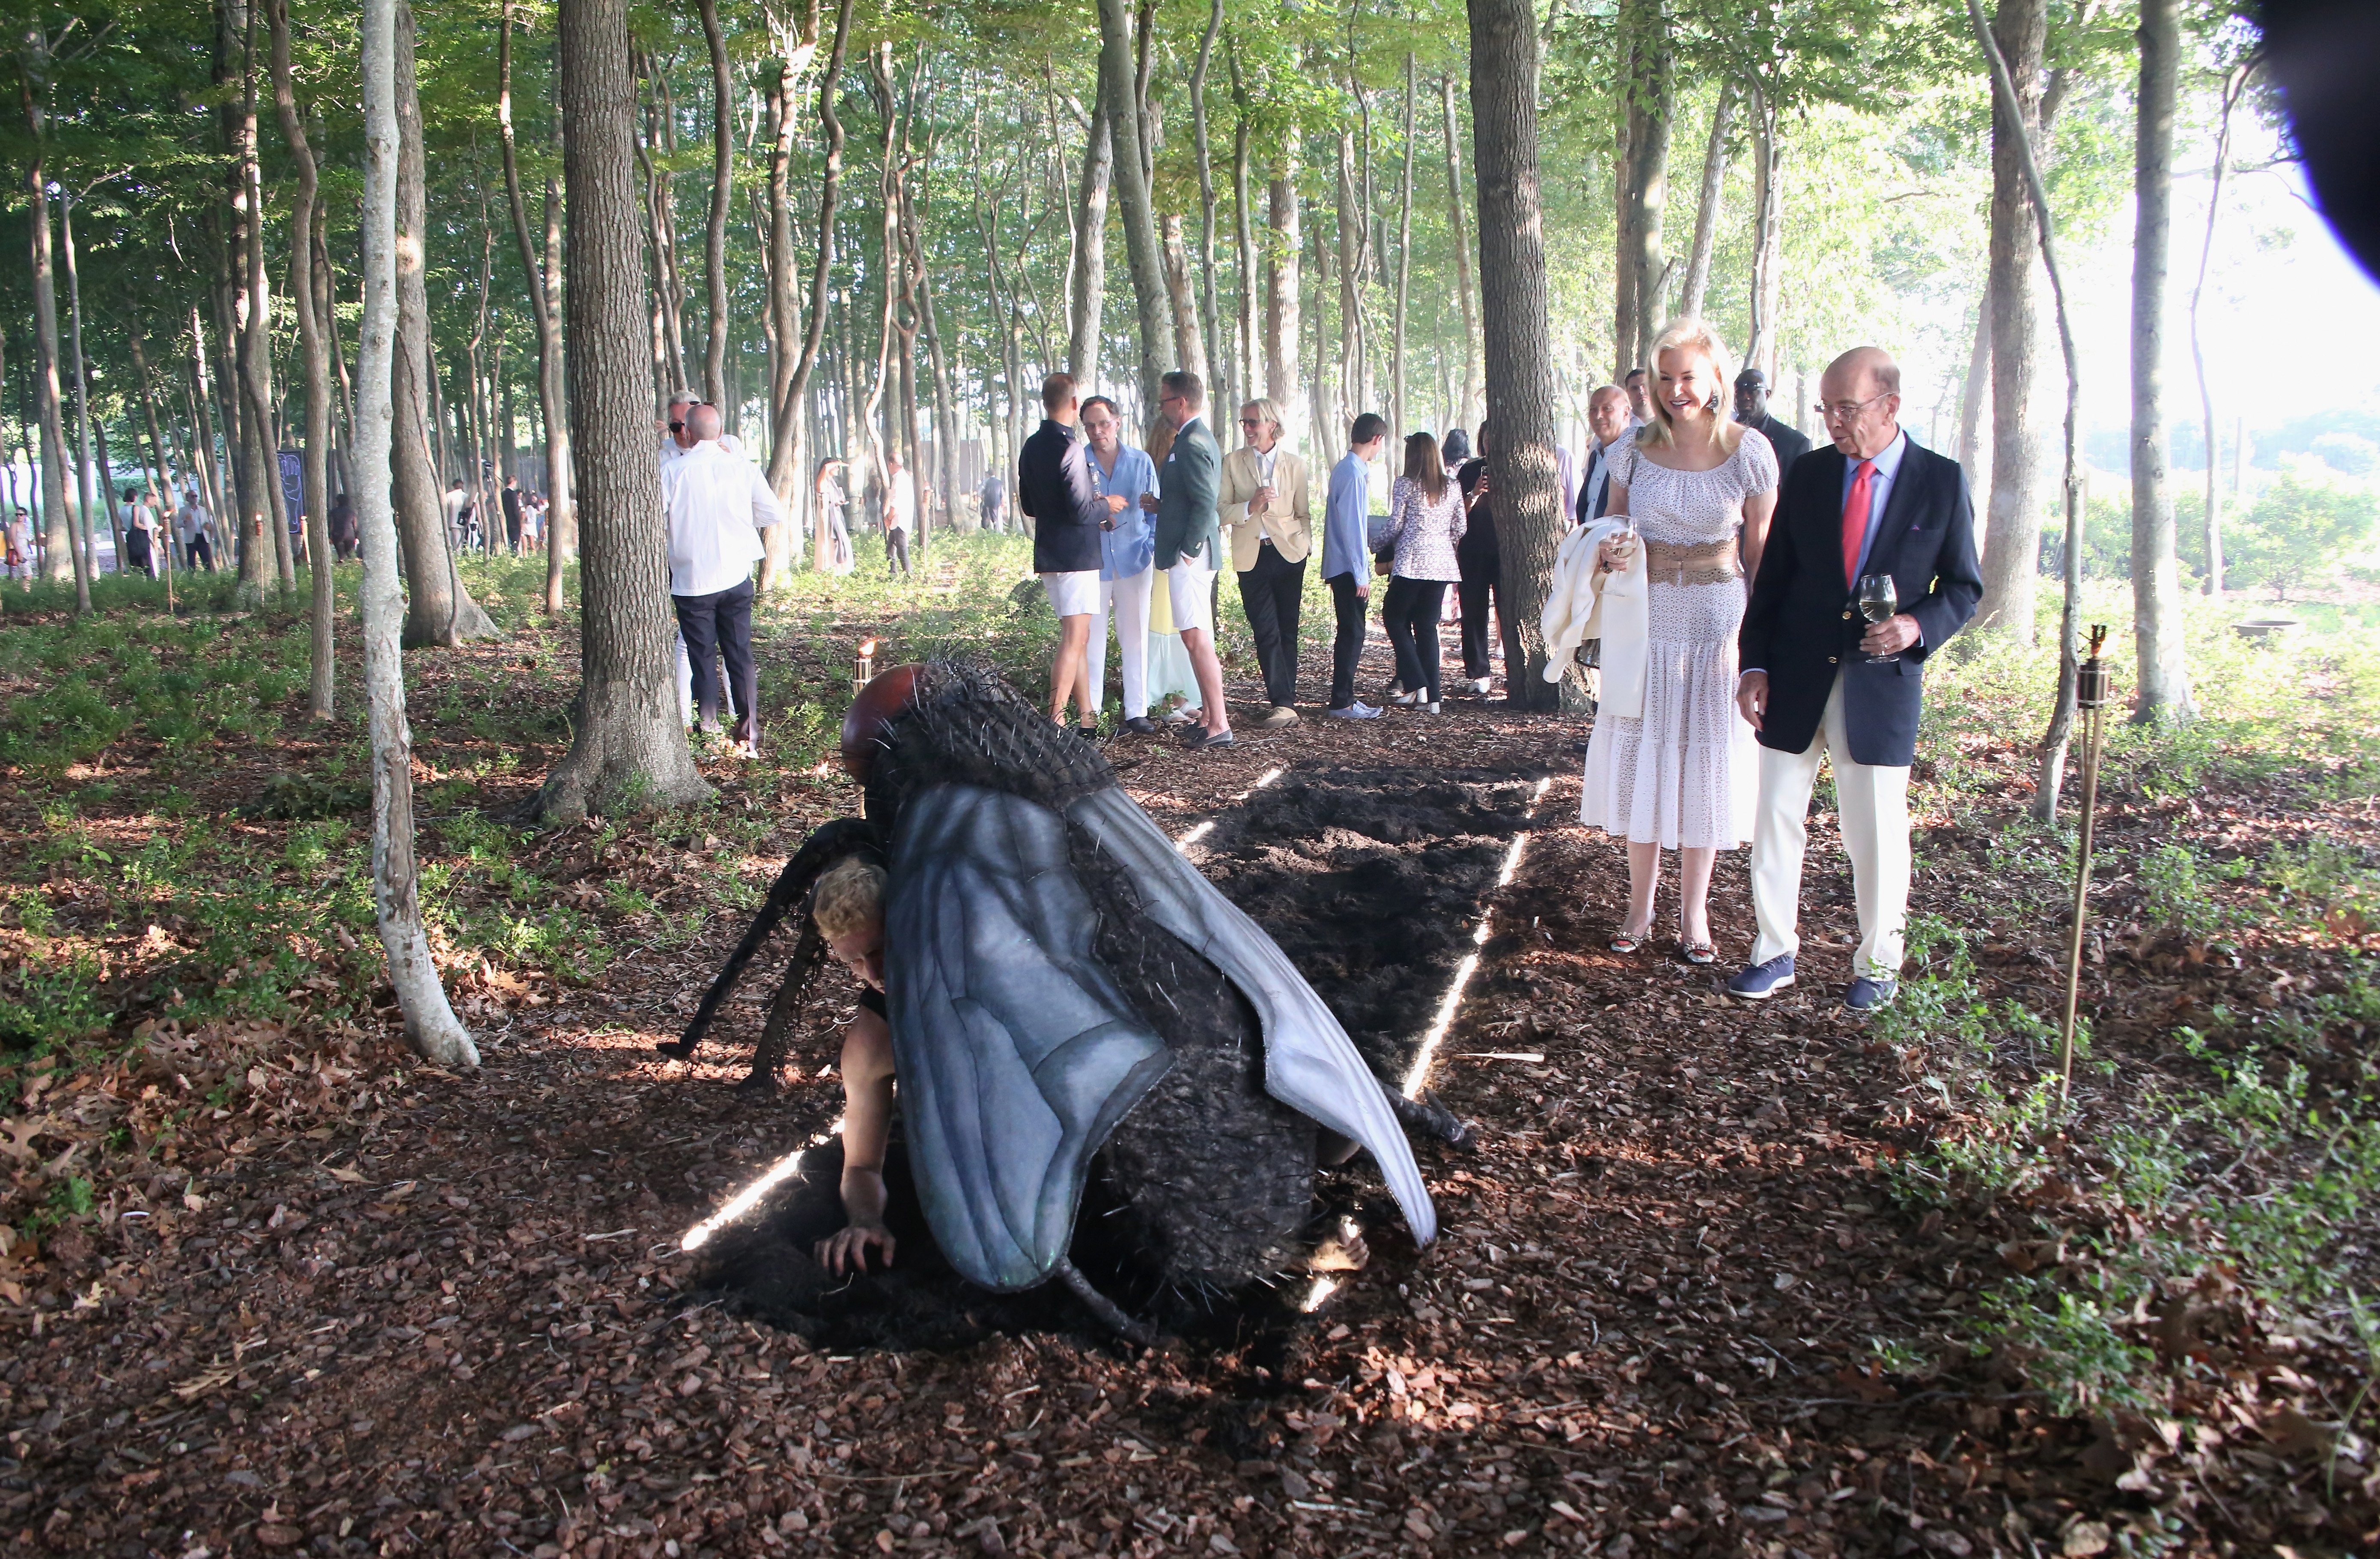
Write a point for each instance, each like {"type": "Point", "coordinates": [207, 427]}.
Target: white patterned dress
{"type": "Point", "coordinates": [1686, 774]}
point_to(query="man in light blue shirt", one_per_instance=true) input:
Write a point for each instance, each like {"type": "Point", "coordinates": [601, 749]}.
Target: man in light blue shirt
{"type": "Point", "coordinates": [1127, 561]}
{"type": "Point", "coordinates": [1347, 559]}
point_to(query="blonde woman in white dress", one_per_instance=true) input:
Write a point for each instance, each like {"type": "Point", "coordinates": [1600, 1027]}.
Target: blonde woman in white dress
{"type": "Point", "coordinates": [1683, 776]}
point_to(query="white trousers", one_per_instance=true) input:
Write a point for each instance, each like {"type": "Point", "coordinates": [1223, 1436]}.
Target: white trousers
{"type": "Point", "coordinates": [1127, 601]}
{"type": "Point", "coordinates": [1873, 803]}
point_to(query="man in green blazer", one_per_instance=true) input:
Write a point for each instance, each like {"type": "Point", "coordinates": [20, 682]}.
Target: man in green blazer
{"type": "Point", "coordinates": [1188, 538]}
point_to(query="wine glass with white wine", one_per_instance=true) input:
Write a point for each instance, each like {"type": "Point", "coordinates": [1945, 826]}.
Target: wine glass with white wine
{"type": "Point", "coordinates": [1877, 603]}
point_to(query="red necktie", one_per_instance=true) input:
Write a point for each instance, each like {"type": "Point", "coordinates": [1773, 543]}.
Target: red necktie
{"type": "Point", "coordinates": [1855, 522]}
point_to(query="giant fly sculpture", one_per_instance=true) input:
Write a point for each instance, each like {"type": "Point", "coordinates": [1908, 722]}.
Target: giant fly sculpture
{"type": "Point", "coordinates": [1068, 995]}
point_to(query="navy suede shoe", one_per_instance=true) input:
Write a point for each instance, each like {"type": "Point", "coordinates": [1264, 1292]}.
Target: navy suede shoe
{"type": "Point", "coordinates": [1758, 982]}
{"type": "Point", "coordinates": [1868, 994]}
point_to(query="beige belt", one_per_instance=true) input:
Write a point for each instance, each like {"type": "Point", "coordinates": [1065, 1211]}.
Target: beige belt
{"type": "Point", "coordinates": [1706, 562]}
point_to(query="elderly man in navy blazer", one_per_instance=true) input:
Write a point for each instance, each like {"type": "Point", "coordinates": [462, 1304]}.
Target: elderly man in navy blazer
{"type": "Point", "coordinates": [1814, 682]}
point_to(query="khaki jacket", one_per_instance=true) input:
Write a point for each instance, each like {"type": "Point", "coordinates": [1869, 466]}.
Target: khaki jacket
{"type": "Point", "coordinates": [1289, 522]}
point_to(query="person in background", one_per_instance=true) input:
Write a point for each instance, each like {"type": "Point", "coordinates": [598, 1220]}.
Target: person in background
{"type": "Point", "coordinates": [1751, 411]}
{"type": "Point", "coordinates": [342, 523]}
{"type": "Point", "coordinates": [1054, 485]}
{"type": "Point", "coordinates": [197, 532]}
{"type": "Point", "coordinates": [1427, 523]}
{"type": "Point", "coordinates": [17, 547]}
{"type": "Point", "coordinates": [1679, 774]}
{"type": "Point", "coordinates": [674, 438]}
{"type": "Point", "coordinates": [900, 515]}
{"type": "Point", "coordinates": [991, 501]}
{"type": "Point", "coordinates": [141, 539]}
{"type": "Point", "coordinates": [1127, 562]}
{"type": "Point", "coordinates": [718, 505]}
{"type": "Point", "coordinates": [511, 500]}
{"type": "Point", "coordinates": [457, 504]}
{"type": "Point", "coordinates": [1482, 586]}
{"type": "Point", "coordinates": [835, 549]}
{"type": "Point", "coordinates": [1266, 509]}
{"type": "Point", "coordinates": [1346, 559]}
{"type": "Point", "coordinates": [1455, 448]}
{"type": "Point", "coordinates": [1640, 398]}
{"type": "Point", "coordinates": [1607, 416]}
{"type": "Point", "coordinates": [1188, 537]}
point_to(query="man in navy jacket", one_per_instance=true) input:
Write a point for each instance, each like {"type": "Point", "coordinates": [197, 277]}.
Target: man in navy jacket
{"type": "Point", "coordinates": [1054, 486]}
{"type": "Point", "coordinates": [1816, 680]}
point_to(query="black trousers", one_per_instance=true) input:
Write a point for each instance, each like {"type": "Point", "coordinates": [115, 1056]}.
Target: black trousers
{"type": "Point", "coordinates": [896, 551]}
{"type": "Point", "coordinates": [1410, 619]}
{"type": "Point", "coordinates": [202, 553]}
{"type": "Point", "coordinates": [718, 627]}
{"type": "Point", "coordinates": [1270, 594]}
{"type": "Point", "coordinates": [1348, 647]}
{"type": "Point", "coordinates": [1477, 641]}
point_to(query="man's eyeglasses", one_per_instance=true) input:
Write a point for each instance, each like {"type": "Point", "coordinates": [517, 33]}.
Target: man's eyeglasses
{"type": "Point", "coordinates": [678, 426]}
{"type": "Point", "coordinates": [1252, 422]}
{"type": "Point", "coordinates": [1843, 411]}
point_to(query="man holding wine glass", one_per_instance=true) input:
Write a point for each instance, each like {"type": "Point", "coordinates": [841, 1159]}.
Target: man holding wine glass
{"type": "Point", "coordinates": [1833, 662]}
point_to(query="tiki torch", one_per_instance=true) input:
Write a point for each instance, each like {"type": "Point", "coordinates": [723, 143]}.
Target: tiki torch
{"type": "Point", "coordinates": [2090, 701]}
{"type": "Point", "coordinates": [865, 671]}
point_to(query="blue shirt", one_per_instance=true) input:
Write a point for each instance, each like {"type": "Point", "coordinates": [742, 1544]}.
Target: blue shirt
{"type": "Point", "coordinates": [1879, 488]}
{"type": "Point", "coordinates": [1131, 547]}
{"type": "Point", "coordinates": [1344, 529]}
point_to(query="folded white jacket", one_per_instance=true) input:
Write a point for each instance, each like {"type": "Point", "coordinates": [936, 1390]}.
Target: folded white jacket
{"type": "Point", "coordinates": [1583, 604]}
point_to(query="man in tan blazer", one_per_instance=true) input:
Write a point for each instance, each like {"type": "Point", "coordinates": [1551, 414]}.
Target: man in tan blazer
{"type": "Point", "coordinates": [1266, 516]}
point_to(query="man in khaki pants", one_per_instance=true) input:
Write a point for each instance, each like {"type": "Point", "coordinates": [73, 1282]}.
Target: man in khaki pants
{"type": "Point", "coordinates": [1266, 513]}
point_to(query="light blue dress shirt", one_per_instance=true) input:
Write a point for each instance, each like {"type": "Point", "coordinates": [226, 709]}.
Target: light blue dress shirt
{"type": "Point", "coordinates": [1344, 528]}
{"type": "Point", "coordinates": [1132, 546]}
{"type": "Point", "coordinates": [1880, 489]}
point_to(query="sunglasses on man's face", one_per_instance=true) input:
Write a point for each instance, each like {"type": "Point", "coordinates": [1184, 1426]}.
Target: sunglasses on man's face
{"type": "Point", "coordinates": [678, 426]}
{"type": "Point", "coordinates": [1252, 422]}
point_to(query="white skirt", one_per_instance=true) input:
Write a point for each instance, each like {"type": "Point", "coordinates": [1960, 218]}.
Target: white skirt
{"type": "Point", "coordinates": [1687, 774]}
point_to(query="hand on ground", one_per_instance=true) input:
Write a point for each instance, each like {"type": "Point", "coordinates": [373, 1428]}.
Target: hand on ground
{"type": "Point", "coordinates": [846, 1250]}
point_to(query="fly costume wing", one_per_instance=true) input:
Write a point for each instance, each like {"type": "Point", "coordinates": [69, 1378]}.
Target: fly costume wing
{"type": "Point", "coordinates": [1018, 1052]}
{"type": "Point", "coordinates": [1310, 1064]}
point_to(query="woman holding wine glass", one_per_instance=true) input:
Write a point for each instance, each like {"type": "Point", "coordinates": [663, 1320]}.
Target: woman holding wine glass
{"type": "Point", "coordinates": [1698, 491]}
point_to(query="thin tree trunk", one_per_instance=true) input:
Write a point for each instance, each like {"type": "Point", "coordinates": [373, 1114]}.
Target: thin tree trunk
{"type": "Point", "coordinates": [1219, 351]}
{"type": "Point", "coordinates": [60, 555]}
{"type": "Point", "coordinates": [2232, 86]}
{"type": "Point", "coordinates": [1975, 402]}
{"type": "Point", "coordinates": [2163, 689]}
{"type": "Point", "coordinates": [1647, 83]}
{"type": "Point", "coordinates": [1189, 334]}
{"type": "Point", "coordinates": [1351, 352]}
{"type": "Point", "coordinates": [796, 468]}
{"type": "Point", "coordinates": [2013, 537]}
{"type": "Point", "coordinates": [1405, 259]}
{"type": "Point", "coordinates": [81, 400]}
{"type": "Point", "coordinates": [211, 475]}
{"type": "Point", "coordinates": [316, 352]}
{"type": "Point", "coordinates": [438, 610]}
{"type": "Point", "coordinates": [1768, 234]}
{"type": "Point", "coordinates": [561, 514]}
{"type": "Point", "coordinates": [1456, 225]}
{"type": "Point", "coordinates": [431, 1027]}
{"type": "Point", "coordinates": [1244, 228]}
{"type": "Point", "coordinates": [1518, 346]}
{"type": "Point", "coordinates": [149, 409]}
{"type": "Point", "coordinates": [256, 341]}
{"type": "Point", "coordinates": [1088, 286]}
{"type": "Point", "coordinates": [629, 748]}
{"type": "Point", "coordinates": [1282, 252]}
{"type": "Point", "coordinates": [722, 191]}
{"type": "Point", "coordinates": [1146, 260]}
{"type": "Point", "coordinates": [1698, 261]}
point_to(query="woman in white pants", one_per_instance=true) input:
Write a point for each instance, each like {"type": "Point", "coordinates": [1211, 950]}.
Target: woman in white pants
{"type": "Point", "coordinates": [1127, 562]}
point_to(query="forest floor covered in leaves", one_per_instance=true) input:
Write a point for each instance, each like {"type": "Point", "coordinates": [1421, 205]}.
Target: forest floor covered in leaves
{"type": "Point", "coordinates": [1715, 1279]}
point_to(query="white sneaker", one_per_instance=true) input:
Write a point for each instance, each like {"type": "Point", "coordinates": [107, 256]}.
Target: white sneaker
{"type": "Point", "coordinates": [1481, 686]}
{"type": "Point", "coordinates": [1431, 706]}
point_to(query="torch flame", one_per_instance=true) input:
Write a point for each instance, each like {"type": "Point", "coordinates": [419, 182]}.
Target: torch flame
{"type": "Point", "coordinates": [867, 649]}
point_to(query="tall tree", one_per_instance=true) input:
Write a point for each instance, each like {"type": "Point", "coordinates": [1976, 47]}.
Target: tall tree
{"type": "Point", "coordinates": [431, 1027]}
{"type": "Point", "coordinates": [1698, 259]}
{"type": "Point", "coordinates": [629, 748]}
{"type": "Point", "coordinates": [1283, 246]}
{"type": "Point", "coordinates": [2013, 531]}
{"type": "Point", "coordinates": [798, 383]}
{"type": "Point", "coordinates": [1086, 292]}
{"type": "Point", "coordinates": [1456, 226]}
{"type": "Point", "coordinates": [81, 397]}
{"type": "Point", "coordinates": [1219, 352]}
{"type": "Point", "coordinates": [545, 310]}
{"type": "Point", "coordinates": [722, 191]}
{"type": "Point", "coordinates": [1404, 257]}
{"type": "Point", "coordinates": [2163, 690]}
{"type": "Point", "coordinates": [1648, 95]}
{"type": "Point", "coordinates": [1518, 346]}
{"type": "Point", "coordinates": [60, 555]}
{"type": "Point", "coordinates": [256, 318]}
{"type": "Point", "coordinates": [1767, 231]}
{"type": "Point", "coordinates": [2233, 83]}
{"type": "Point", "coordinates": [1119, 87]}
{"type": "Point", "coordinates": [316, 352]}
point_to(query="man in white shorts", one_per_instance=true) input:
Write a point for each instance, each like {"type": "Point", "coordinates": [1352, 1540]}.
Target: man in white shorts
{"type": "Point", "coordinates": [1056, 487]}
{"type": "Point", "coordinates": [1188, 535]}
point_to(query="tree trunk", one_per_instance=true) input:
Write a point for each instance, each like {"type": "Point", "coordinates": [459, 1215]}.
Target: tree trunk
{"type": "Point", "coordinates": [1465, 412]}
{"type": "Point", "coordinates": [431, 1027]}
{"type": "Point", "coordinates": [312, 346]}
{"type": "Point", "coordinates": [629, 750]}
{"type": "Point", "coordinates": [1353, 355]}
{"type": "Point", "coordinates": [1768, 234]}
{"type": "Point", "coordinates": [1189, 335]}
{"type": "Point", "coordinates": [1218, 350]}
{"type": "Point", "coordinates": [1647, 83]}
{"type": "Point", "coordinates": [438, 610]}
{"type": "Point", "coordinates": [1281, 255]}
{"type": "Point", "coordinates": [211, 473]}
{"type": "Point", "coordinates": [1518, 347]}
{"type": "Point", "coordinates": [2012, 536]}
{"type": "Point", "coordinates": [256, 337]}
{"type": "Point", "coordinates": [1244, 229]}
{"type": "Point", "coordinates": [561, 514]}
{"type": "Point", "coordinates": [149, 411]}
{"type": "Point", "coordinates": [2232, 86]}
{"type": "Point", "coordinates": [722, 191]}
{"type": "Point", "coordinates": [1088, 287]}
{"type": "Point", "coordinates": [1399, 426]}
{"type": "Point", "coordinates": [81, 398]}
{"type": "Point", "coordinates": [60, 555]}
{"type": "Point", "coordinates": [792, 479]}
{"type": "Point", "coordinates": [1975, 402]}
{"type": "Point", "coordinates": [2163, 690]}
{"type": "Point", "coordinates": [1698, 261]}
{"type": "Point", "coordinates": [1119, 88]}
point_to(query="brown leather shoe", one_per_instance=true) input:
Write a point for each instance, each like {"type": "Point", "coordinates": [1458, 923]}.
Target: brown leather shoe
{"type": "Point", "coordinates": [1278, 716]}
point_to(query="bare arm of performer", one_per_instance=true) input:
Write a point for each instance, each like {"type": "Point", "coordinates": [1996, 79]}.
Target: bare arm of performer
{"type": "Point", "coordinates": [867, 1109]}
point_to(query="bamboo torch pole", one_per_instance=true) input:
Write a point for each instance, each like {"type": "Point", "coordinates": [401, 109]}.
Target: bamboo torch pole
{"type": "Point", "coordinates": [2091, 701]}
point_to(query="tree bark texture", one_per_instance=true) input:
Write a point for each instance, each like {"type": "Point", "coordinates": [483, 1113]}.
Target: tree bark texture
{"type": "Point", "coordinates": [1399, 426]}
{"type": "Point", "coordinates": [795, 474]}
{"type": "Point", "coordinates": [256, 335]}
{"type": "Point", "coordinates": [629, 750]}
{"type": "Point", "coordinates": [1458, 227]}
{"type": "Point", "coordinates": [1760, 349]}
{"type": "Point", "coordinates": [431, 1027]}
{"type": "Point", "coordinates": [1518, 345]}
{"type": "Point", "coordinates": [316, 353]}
{"type": "Point", "coordinates": [1283, 386]}
{"type": "Point", "coordinates": [1243, 229]}
{"type": "Point", "coordinates": [1088, 293]}
{"type": "Point", "coordinates": [2162, 692]}
{"type": "Point", "coordinates": [81, 399]}
{"type": "Point", "coordinates": [1975, 407]}
{"type": "Point", "coordinates": [438, 611]}
{"type": "Point", "coordinates": [1698, 260]}
{"type": "Point", "coordinates": [722, 191]}
{"type": "Point", "coordinates": [1647, 85]}
{"type": "Point", "coordinates": [1119, 80]}
{"type": "Point", "coordinates": [60, 556]}
{"type": "Point", "coordinates": [2011, 541]}
{"type": "Point", "coordinates": [561, 516]}
{"type": "Point", "coordinates": [1218, 350]}
{"type": "Point", "coordinates": [1189, 335]}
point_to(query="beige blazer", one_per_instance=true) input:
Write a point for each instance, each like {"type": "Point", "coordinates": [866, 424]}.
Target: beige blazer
{"type": "Point", "coordinates": [1290, 520]}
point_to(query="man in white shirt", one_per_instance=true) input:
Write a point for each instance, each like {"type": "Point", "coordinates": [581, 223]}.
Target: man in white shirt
{"type": "Point", "coordinates": [675, 437]}
{"type": "Point", "coordinates": [900, 517]}
{"type": "Point", "coordinates": [1607, 415]}
{"type": "Point", "coordinates": [718, 504]}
